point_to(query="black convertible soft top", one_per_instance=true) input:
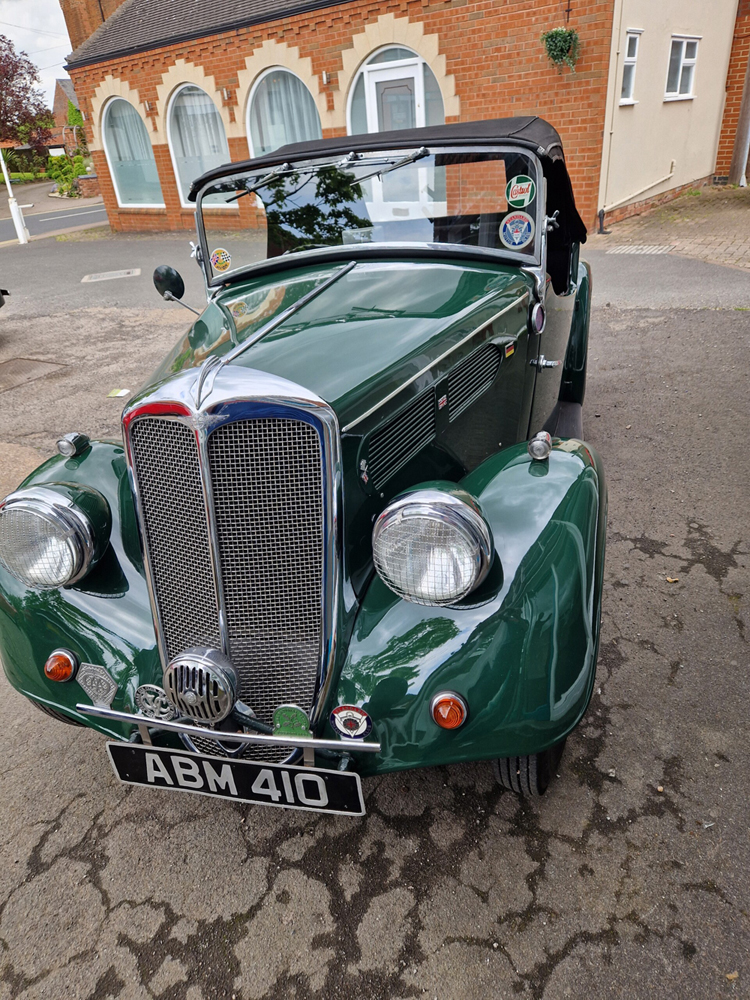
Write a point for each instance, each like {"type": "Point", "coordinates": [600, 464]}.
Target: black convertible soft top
{"type": "Point", "coordinates": [531, 132]}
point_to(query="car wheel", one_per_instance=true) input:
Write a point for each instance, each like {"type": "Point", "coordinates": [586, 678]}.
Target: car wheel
{"type": "Point", "coordinates": [529, 776]}
{"type": "Point", "coordinates": [53, 713]}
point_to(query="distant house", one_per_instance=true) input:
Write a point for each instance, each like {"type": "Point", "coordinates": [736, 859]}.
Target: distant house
{"type": "Point", "coordinates": [63, 131]}
{"type": "Point", "coordinates": [169, 89]}
{"type": "Point", "coordinates": [64, 93]}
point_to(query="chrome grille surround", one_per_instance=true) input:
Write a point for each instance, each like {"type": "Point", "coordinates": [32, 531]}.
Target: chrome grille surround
{"type": "Point", "coordinates": [238, 398]}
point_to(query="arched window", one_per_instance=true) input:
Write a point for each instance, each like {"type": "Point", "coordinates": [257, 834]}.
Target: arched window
{"type": "Point", "coordinates": [196, 137]}
{"type": "Point", "coordinates": [281, 110]}
{"type": "Point", "coordinates": [130, 157]}
{"type": "Point", "coordinates": [394, 89]}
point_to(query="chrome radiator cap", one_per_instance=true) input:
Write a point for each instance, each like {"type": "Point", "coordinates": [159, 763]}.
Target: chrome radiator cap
{"type": "Point", "coordinates": [202, 683]}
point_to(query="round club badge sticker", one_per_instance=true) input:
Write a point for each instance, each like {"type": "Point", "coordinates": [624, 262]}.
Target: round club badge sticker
{"type": "Point", "coordinates": [517, 230]}
{"type": "Point", "coordinates": [520, 191]}
{"type": "Point", "coordinates": [350, 721]}
{"type": "Point", "coordinates": [221, 259]}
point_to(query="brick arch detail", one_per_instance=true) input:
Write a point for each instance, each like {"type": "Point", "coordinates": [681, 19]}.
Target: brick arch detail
{"type": "Point", "coordinates": [391, 30]}
{"type": "Point", "coordinates": [273, 54]}
{"type": "Point", "coordinates": [184, 72]}
{"type": "Point", "coordinates": [112, 86]}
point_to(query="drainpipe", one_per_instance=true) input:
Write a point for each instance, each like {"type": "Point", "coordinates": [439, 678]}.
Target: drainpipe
{"type": "Point", "coordinates": [643, 190]}
{"type": "Point", "coordinates": [616, 75]}
{"type": "Point", "coordinates": [742, 138]}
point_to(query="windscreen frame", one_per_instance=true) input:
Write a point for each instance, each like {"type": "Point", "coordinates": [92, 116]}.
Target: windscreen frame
{"type": "Point", "coordinates": [526, 260]}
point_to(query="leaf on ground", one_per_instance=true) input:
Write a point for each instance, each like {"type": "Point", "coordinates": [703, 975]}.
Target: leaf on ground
{"type": "Point", "coordinates": [731, 976]}
{"type": "Point", "coordinates": [673, 579]}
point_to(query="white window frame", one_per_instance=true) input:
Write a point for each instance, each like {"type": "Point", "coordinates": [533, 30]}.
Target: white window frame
{"type": "Point", "coordinates": [258, 80]}
{"type": "Point", "coordinates": [630, 61]}
{"type": "Point", "coordinates": [676, 96]}
{"type": "Point", "coordinates": [175, 94]}
{"type": "Point", "coordinates": [406, 67]}
{"type": "Point", "coordinates": [112, 173]}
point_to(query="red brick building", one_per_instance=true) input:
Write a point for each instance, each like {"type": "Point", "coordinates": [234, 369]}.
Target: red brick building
{"type": "Point", "coordinates": [738, 62]}
{"type": "Point", "coordinates": [169, 88]}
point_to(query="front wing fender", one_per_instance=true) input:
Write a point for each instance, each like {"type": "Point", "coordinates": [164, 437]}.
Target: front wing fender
{"type": "Point", "coordinates": [521, 650]}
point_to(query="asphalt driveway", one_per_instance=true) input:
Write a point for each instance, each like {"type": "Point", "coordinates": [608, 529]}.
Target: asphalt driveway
{"type": "Point", "coordinates": [628, 880]}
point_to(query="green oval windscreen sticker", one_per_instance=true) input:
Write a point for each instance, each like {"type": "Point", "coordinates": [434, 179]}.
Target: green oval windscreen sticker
{"type": "Point", "coordinates": [520, 191]}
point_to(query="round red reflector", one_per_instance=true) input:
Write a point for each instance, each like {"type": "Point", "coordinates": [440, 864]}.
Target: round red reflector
{"type": "Point", "coordinates": [61, 665]}
{"type": "Point", "coordinates": [449, 710]}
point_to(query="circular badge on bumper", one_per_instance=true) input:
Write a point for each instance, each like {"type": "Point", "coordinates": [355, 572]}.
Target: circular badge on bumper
{"type": "Point", "coordinates": [350, 721]}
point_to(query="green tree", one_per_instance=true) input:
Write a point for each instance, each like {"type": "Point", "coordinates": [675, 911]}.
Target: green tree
{"type": "Point", "coordinates": [21, 103]}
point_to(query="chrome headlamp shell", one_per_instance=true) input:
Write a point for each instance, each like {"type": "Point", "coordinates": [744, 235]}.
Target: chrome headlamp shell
{"type": "Point", "coordinates": [432, 546]}
{"type": "Point", "coordinates": [51, 538]}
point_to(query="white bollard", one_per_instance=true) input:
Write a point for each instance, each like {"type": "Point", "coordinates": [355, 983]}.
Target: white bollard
{"type": "Point", "coordinates": [15, 212]}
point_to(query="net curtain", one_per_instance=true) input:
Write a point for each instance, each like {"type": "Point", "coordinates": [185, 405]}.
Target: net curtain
{"type": "Point", "coordinates": [282, 110]}
{"type": "Point", "coordinates": [197, 136]}
{"type": "Point", "coordinates": [131, 156]}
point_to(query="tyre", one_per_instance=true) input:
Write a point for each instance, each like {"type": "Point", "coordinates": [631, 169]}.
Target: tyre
{"type": "Point", "coordinates": [529, 776]}
{"type": "Point", "coordinates": [53, 713]}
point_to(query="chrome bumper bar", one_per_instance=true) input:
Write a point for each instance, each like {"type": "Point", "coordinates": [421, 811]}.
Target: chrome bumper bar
{"type": "Point", "coordinates": [303, 742]}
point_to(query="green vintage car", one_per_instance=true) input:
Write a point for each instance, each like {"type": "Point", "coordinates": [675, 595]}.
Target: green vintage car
{"type": "Point", "coordinates": [353, 526]}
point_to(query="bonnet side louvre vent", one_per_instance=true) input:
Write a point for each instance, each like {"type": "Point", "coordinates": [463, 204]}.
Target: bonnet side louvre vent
{"type": "Point", "coordinates": [392, 446]}
{"type": "Point", "coordinates": [471, 377]}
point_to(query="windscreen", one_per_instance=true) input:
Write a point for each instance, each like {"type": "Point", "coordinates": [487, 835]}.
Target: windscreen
{"type": "Point", "coordinates": [488, 199]}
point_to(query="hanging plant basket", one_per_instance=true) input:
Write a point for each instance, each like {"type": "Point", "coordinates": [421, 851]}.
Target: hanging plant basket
{"type": "Point", "coordinates": [563, 46]}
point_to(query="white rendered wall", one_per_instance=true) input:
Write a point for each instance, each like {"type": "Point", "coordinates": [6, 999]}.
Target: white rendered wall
{"type": "Point", "coordinates": [642, 139]}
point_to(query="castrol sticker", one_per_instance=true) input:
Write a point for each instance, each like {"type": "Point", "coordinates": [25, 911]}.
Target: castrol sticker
{"type": "Point", "coordinates": [520, 191]}
{"type": "Point", "coordinates": [517, 230]}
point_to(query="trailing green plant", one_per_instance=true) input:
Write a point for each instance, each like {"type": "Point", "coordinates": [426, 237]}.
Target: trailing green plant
{"type": "Point", "coordinates": [65, 171]}
{"type": "Point", "coordinates": [563, 46]}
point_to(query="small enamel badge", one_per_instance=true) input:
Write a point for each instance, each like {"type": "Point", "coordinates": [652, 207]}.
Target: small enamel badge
{"type": "Point", "coordinates": [97, 684]}
{"type": "Point", "coordinates": [352, 722]}
{"type": "Point", "coordinates": [509, 350]}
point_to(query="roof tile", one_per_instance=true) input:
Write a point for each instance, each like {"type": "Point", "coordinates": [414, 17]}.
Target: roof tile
{"type": "Point", "coordinates": [140, 25]}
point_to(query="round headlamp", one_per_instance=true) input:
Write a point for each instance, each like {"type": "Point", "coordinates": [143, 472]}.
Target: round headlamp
{"type": "Point", "coordinates": [46, 539]}
{"type": "Point", "coordinates": [432, 547]}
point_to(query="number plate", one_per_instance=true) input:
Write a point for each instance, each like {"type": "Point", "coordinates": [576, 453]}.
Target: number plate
{"type": "Point", "coordinates": [288, 787]}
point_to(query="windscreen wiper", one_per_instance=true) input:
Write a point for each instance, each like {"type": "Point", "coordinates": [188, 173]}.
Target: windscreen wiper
{"type": "Point", "coordinates": [348, 161]}
{"type": "Point", "coordinates": [352, 158]}
{"type": "Point", "coordinates": [264, 181]}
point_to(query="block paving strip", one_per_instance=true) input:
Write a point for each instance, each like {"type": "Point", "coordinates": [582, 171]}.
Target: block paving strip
{"type": "Point", "coordinates": [711, 224]}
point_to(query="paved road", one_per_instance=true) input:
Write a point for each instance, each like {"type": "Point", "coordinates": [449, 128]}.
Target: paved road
{"type": "Point", "coordinates": [54, 220]}
{"type": "Point", "coordinates": [450, 888]}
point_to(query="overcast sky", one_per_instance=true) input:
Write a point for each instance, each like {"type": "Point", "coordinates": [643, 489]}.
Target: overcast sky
{"type": "Point", "coordinates": [37, 27]}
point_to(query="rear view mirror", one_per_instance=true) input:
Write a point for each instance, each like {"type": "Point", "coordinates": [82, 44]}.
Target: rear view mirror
{"type": "Point", "coordinates": [168, 282]}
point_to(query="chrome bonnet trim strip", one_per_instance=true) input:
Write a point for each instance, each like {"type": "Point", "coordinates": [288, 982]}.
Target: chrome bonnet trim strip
{"type": "Point", "coordinates": [441, 357]}
{"type": "Point", "coordinates": [304, 742]}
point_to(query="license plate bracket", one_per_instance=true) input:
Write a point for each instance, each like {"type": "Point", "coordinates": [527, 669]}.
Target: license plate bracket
{"type": "Point", "coordinates": [285, 786]}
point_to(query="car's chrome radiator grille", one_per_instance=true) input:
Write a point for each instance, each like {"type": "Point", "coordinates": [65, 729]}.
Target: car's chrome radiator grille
{"type": "Point", "coordinates": [267, 484]}
{"type": "Point", "coordinates": [268, 499]}
{"type": "Point", "coordinates": [174, 515]}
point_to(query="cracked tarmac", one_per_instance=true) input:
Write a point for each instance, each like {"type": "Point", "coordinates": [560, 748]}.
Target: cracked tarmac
{"type": "Point", "coordinates": [628, 879]}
